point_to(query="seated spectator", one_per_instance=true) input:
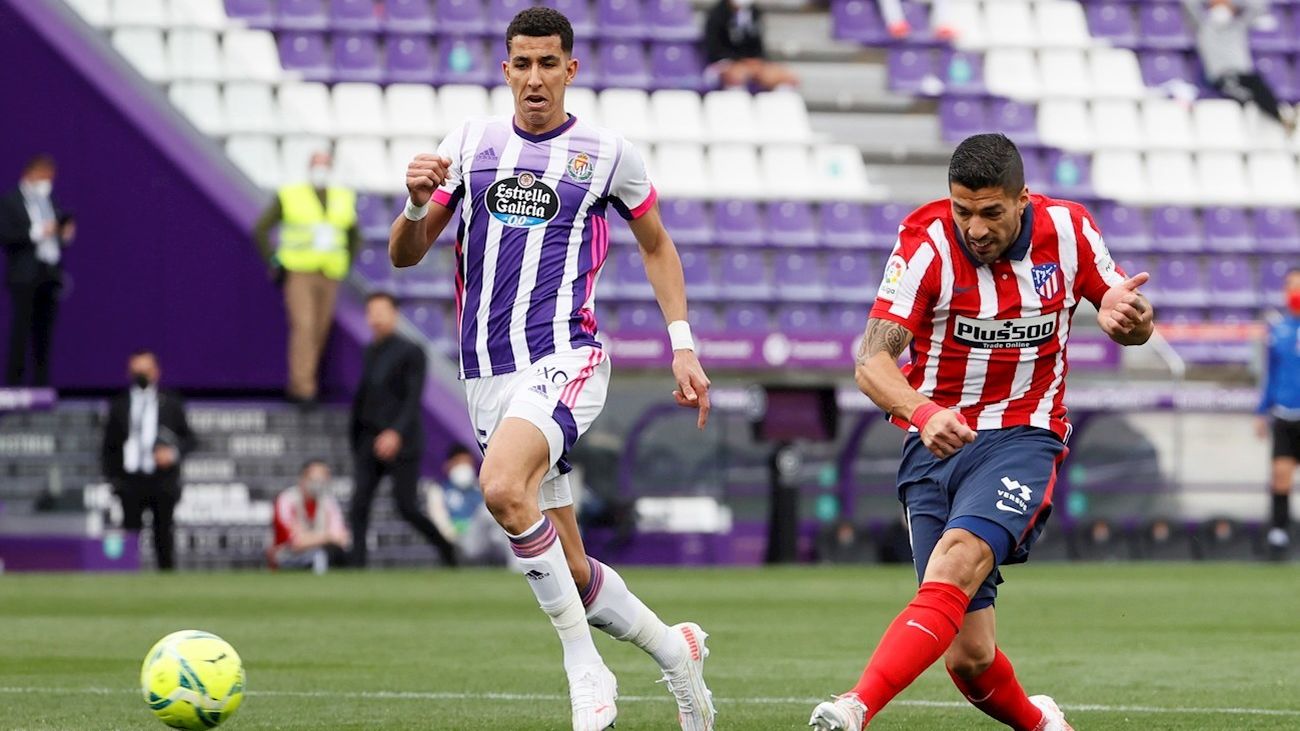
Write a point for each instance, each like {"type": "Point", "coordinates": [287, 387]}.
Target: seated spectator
{"type": "Point", "coordinates": [1223, 43]}
{"type": "Point", "coordinates": [309, 528]}
{"type": "Point", "coordinates": [733, 41]}
{"type": "Point", "coordinates": [456, 506]}
{"type": "Point", "coordinates": [899, 27]}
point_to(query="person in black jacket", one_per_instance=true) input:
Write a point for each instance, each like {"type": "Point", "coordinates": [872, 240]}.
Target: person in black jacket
{"type": "Point", "coordinates": [733, 44]}
{"type": "Point", "coordinates": [387, 436]}
{"type": "Point", "coordinates": [33, 232]}
{"type": "Point", "coordinates": [145, 439]}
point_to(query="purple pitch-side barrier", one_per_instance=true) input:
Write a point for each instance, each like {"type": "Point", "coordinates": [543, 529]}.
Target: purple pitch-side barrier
{"type": "Point", "coordinates": [27, 399]}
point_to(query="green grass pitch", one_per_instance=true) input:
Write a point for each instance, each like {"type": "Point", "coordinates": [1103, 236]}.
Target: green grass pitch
{"type": "Point", "coordinates": [1120, 646]}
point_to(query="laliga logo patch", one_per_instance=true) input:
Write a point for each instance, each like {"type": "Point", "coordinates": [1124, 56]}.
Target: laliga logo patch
{"type": "Point", "coordinates": [523, 201]}
{"type": "Point", "coordinates": [581, 167]}
{"type": "Point", "coordinates": [894, 270]}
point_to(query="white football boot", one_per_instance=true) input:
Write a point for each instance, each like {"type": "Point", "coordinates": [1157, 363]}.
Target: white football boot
{"type": "Point", "coordinates": [695, 710]}
{"type": "Point", "coordinates": [1053, 716]}
{"type": "Point", "coordinates": [845, 713]}
{"type": "Point", "coordinates": [592, 692]}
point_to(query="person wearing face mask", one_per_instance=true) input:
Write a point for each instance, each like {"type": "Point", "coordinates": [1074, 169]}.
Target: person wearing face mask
{"type": "Point", "coordinates": [318, 242]}
{"type": "Point", "coordinates": [1279, 413]}
{"type": "Point", "coordinates": [456, 506]}
{"type": "Point", "coordinates": [33, 232]}
{"type": "Point", "coordinates": [733, 44]}
{"type": "Point", "coordinates": [308, 524]}
{"type": "Point", "coordinates": [1223, 43]}
{"type": "Point", "coordinates": [145, 438]}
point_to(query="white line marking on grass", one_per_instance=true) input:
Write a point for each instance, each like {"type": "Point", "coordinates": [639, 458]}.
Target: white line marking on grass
{"type": "Point", "coordinates": [527, 697]}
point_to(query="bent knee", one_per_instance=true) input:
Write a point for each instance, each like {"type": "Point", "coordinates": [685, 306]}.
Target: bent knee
{"type": "Point", "coordinates": [505, 498]}
{"type": "Point", "coordinates": [969, 661]}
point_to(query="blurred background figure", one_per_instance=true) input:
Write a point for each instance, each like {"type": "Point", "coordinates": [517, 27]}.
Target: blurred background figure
{"type": "Point", "coordinates": [1223, 43]}
{"type": "Point", "coordinates": [900, 27]}
{"type": "Point", "coordinates": [1279, 410]}
{"type": "Point", "coordinates": [146, 437]}
{"type": "Point", "coordinates": [308, 524]}
{"type": "Point", "coordinates": [318, 242]}
{"type": "Point", "coordinates": [733, 41]}
{"type": "Point", "coordinates": [386, 435]}
{"type": "Point", "coordinates": [456, 506]}
{"type": "Point", "coordinates": [33, 231]}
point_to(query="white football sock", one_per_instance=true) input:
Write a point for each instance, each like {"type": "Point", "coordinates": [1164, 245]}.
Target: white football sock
{"type": "Point", "coordinates": [541, 559]}
{"type": "Point", "coordinates": [615, 610]}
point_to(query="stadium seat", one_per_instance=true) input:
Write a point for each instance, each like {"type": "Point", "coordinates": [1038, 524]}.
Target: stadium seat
{"type": "Point", "coordinates": [1114, 22]}
{"type": "Point", "coordinates": [362, 163]}
{"type": "Point", "coordinates": [253, 13]}
{"type": "Point", "coordinates": [1115, 72]}
{"type": "Point", "coordinates": [799, 277]}
{"type": "Point", "coordinates": [852, 277]}
{"type": "Point", "coordinates": [588, 65]}
{"type": "Point", "coordinates": [1273, 33]}
{"type": "Point", "coordinates": [95, 12]}
{"type": "Point", "coordinates": [463, 60]}
{"type": "Point", "coordinates": [409, 58]}
{"type": "Point", "coordinates": [359, 109]}
{"type": "Point", "coordinates": [1069, 174]}
{"type": "Point", "coordinates": [1278, 71]}
{"type": "Point", "coordinates": [676, 65]}
{"type": "Point", "coordinates": [203, 14]}
{"type": "Point", "coordinates": [743, 275]}
{"type": "Point", "coordinates": [961, 117]}
{"type": "Point", "coordinates": [738, 223]}
{"type": "Point", "coordinates": [249, 107]}
{"type": "Point", "coordinates": [258, 157]}
{"type": "Point", "coordinates": [1065, 73]}
{"type": "Point", "coordinates": [1277, 229]}
{"type": "Point", "coordinates": [791, 165]}
{"type": "Point", "coordinates": [626, 111]}
{"type": "Point", "coordinates": [1272, 277]}
{"type": "Point", "coordinates": [687, 221]}
{"type": "Point", "coordinates": [354, 15]}
{"type": "Point", "coordinates": [1014, 24]}
{"type": "Point", "coordinates": [411, 109]}
{"type": "Point", "coordinates": [672, 20]}
{"type": "Point", "coordinates": [1013, 73]}
{"type": "Point", "coordinates": [961, 72]}
{"type": "Point", "coordinates": [619, 19]}
{"type": "Point", "coordinates": [1017, 120]}
{"type": "Point", "coordinates": [1116, 125]}
{"type": "Point", "coordinates": [138, 14]}
{"type": "Point", "coordinates": [144, 49]}
{"type": "Point", "coordinates": [357, 58]}
{"type": "Point", "coordinates": [729, 116]}
{"type": "Point", "coordinates": [1227, 229]}
{"type": "Point", "coordinates": [883, 222]}
{"type": "Point", "coordinates": [1180, 282]}
{"type": "Point", "coordinates": [790, 224]}
{"type": "Point", "coordinates": [746, 319]}
{"type": "Point", "coordinates": [1119, 175]}
{"type": "Point", "coordinates": [375, 214]}
{"type": "Point", "coordinates": [579, 14]}
{"type": "Point", "coordinates": [676, 115]}
{"type": "Point", "coordinates": [629, 275]}
{"type": "Point", "coordinates": [680, 171]}
{"type": "Point", "coordinates": [912, 70]}
{"type": "Point", "coordinates": [623, 63]}
{"type": "Point", "coordinates": [843, 224]}
{"type": "Point", "coordinates": [1162, 25]}
{"type": "Point", "coordinates": [783, 117]}
{"type": "Point", "coordinates": [700, 271]}
{"type": "Point", "coordinates": [302, 15]}
{"type": "Point", "coordinates": [1219, 125]}
{"type": "Point", "coordinates": [1123, 227]}
{"type": "Point", "coordinates": [1273, 178]}
{"type": "Point", "coordinates": [1175, 229]}
{"type": "Point", "coordinates": [430, 320]}
{"type": "Point", "coordinates": [1166, 124]}
{"type": "Point", "coordinates": [1060, 24]}
{"type": "Point", "coordinates": [1221, 178]}
{"type": "Point", "coordinates": [193, 54]}
{"type": "Point", "coordinates": [409, 16]}
{"type": "Point", "coordinates": [373, 265]}
{"type": "Point", "coordinates": [250, 55]}
{"type": "Point", "coordinates": [461, 17]}
{"type": "Point", "coordinates": [734, 171]}
{"type": "Point", "coordinates": [1065, 123]}
{"type": "Point", "coordinates": [1172, 177]}
{"type": "Point", "coordinates": [802, 319]}
{"type": "Point", "coordinates": [583, 104]}
{"type": "Point", "coordinates": [458, 102]}
{"type": "Point", "coordinates": [295, 155]}
{"type": "Point", "coordinates": [200, 102]}
{"type": "Point", "coordinates": [966, 15]}
{"type": "Point", "coordinates": [840, 172]}
{"type": "Point", "coordinates": [501, 101]}
{"type": "Point", "coordinates": [859, 21]}
{"type": "Point", "coordinates": [305, 108]}
{"type": "Point", "coordinates": [401, 150]}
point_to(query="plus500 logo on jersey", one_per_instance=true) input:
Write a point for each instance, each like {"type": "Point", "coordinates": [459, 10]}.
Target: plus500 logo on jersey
{"type": "Point", "coordinates": [1019, 332]}
{"type": "Point", "coordinates": [523, 201]}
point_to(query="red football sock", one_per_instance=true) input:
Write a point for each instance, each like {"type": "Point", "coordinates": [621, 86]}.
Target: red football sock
{"type": "Point", "coordinates": [997, 692]}
{"type": "Point", "coordinates": [918, 636]}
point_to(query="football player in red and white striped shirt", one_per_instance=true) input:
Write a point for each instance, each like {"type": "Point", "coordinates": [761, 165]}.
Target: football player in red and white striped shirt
{"type": "Point", "coordinates": [983, 287]}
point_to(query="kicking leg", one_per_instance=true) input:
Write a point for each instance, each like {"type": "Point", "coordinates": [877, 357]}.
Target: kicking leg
{"type": "Point", "coordinates": [985, 676]}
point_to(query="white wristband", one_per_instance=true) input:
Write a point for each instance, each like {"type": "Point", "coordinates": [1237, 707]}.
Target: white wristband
{"type": "Point", "coordinates": [414, 212]}
{"type": "Point", "coordinates": [679, 334]}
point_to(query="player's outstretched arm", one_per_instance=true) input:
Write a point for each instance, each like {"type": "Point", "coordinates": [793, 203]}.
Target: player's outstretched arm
{"type": "Point", "coordinates": [416, 228]}
{"type": "Point", "coordinates": [942, 431]}
{"type": "Point", "coordinates": [1124, 314]}
{"type": "Point", "coordinates": [663, 267]}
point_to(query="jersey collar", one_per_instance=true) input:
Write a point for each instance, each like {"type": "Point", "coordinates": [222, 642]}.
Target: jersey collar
{"type": "Point", "coordinates": [545, 135]}
{"type": "Point", "coordinates": [1018, 249]}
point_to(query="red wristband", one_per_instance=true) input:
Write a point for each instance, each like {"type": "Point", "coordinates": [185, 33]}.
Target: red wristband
{"type": "Point", "coordinates": [923, 414]}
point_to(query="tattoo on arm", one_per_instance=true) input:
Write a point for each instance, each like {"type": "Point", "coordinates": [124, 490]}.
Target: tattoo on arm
{"type": "Point", "coordinates": [883, 336]}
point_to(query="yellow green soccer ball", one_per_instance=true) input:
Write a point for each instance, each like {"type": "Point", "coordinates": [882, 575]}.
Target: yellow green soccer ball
{"type": "Point", "coordinates": [192, 680]}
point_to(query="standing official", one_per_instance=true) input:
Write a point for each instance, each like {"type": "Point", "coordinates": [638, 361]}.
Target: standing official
{"type": "Point", "coordinates": [318, 241]}
{"type": "Point", "coordinates": [1279, 410]}
{"type": "Point", "coordinates": [145, 439]}
{"type": "Point", "coordinates": [33, 231]}
{"type": "Point", "coordinates": [386, 434]}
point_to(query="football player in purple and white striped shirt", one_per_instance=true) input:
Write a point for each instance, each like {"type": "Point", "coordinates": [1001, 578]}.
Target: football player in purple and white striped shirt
{"type": "Point", "coordinates": [531, 238]}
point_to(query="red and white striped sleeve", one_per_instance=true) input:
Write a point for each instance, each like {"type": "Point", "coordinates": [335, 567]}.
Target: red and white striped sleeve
{"type": "Point", "coordinates": [1098, 272]}
{"type": "Point", "coordinates": [910, 285]}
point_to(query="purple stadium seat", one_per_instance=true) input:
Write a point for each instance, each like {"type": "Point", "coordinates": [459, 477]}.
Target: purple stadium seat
{"type": "Point", "coordinates": [1277, 230]}
{"type": "Point", "coordinates": [579, 14]}
{"type": "Point", "coordinates": [354, 15]}
{"type": "Point", "coordinates": [1017, 120]}
{"type": "Point", "coordinates": [961, 117]}
{"type": "Point", "coordinates": [1162, 25]}
{"type": "Point", "coordinates": [909, 68]}
{"type": "Point", "coordinates": [356, 57]}
{"type": "Point", "coordinates": [619, 19]}
{"type": "Point", "coordinates": [801, 319]}
{"type": "Point", "coordinates": [1272, 276]}
{"type": "Point", "coordinates": [1279, 38]}
{"type": "Point", "coordinates": [676, 65]}
{"type": "Point", "coordinates": [620, 233]}
{"type": "Point", "coordinates": [852, 277]}
{"type": "Point", "coordinates": [883, 222]}
{"type": "Point", "coordinates": [372, 263]}
{"type": "Point", "coordinates": [302, 15]}
{"type": "Point", "coordinates": [1131, 265]}
{"type": "Point", "coordinates": [1232, 283]}
{"type": "Point", "coordinates": [1176, 229]}
{"type": "Point", "coordinates": [460, 17]}
{"type": "Point", "coordinates": [634, 317]}
{"type": "Point", "coordinates": [798, 277]}
{"type": "Point", "coordinates": [1123, 227]}
{"type": "Point", "coordinates": [629, 275]}
{"type": "Point", "coordinates": [746, 319]}
{"type": "Point", "coordinates": [1161, 67]}
{"type": "Point", "coordinates": [623, 64]}
{"type": "Point", "coordinates": [843, 224]}
{"type": "Point", "coordinates": [254, 13]}
{"type": "Point", "coordinates": [687, 221]}
{"type": "Point", "coordinates": [1227, 229]}
{"type": "Point", "coordinates": [1278, 71]}
{"type": "Point", "coordinates": [704, 318]}
{"type": "Point", "coordinates": [1035, 170]}
{"type": "Point", "coordinates": [738, 223]}
{"type": "Point", "coordinates": [847, 319]}
{"type": "Point", "coordinates": [700, 272]}
{"type": "Point", "coordinates": [374, 216]}
{"type": "Point", "coordinates": [1069, 174]}
{"type": "Point", "coordinates": [858, 20]}
{"type": "Point", "coordinates": [671, 20]}
{"type": "Point", "coordinates": [962, 72]}
{"type": "Point", "coordinates": [409, 16]}
{"type": "Point", "coordinates": [305, 52]}
{"type": "Point", "coordinates": [464, 61]}
{"type": "Point", "coordinates": [409, 58]}
{"type": "Point", "coordinates": [1113, 21]}
{"type": "Point", "coordinates": [588, 64]}
{"type": "Point", "coordinates": [430, 320]}
{"type": "Point", "coordinates": [1181, 283]}
{"type": "Point", "coordinates": [743, 275]}
{"type": "Point", "coordinates": [501, 12]}
{"type": "Point", "coordinates": [790, 224]}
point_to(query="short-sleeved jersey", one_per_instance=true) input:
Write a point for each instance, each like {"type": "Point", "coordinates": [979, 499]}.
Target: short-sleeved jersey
{"type": "Point", "coordinates": [990, 340]}
{"type": "Point", "coordinates": [532, 235]}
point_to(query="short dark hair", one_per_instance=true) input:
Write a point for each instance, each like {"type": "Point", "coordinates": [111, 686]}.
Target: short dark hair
{"type": "Point", "coordinates": [457, 450]}
{"type": "Point", "coordinates": [311, 462]}
{"type": "Point", "coordinates": [43, 160]}
{"type": "Point", "coordinates": [386, 296]}
{"type": "Point", "coordinates": [987, 161]}
{"type": "Point", "coordinates": [540, 22]}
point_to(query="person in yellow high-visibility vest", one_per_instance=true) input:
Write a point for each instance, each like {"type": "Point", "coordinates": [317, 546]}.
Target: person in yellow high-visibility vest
{"type": "Point", "coordinates": [318, 241]}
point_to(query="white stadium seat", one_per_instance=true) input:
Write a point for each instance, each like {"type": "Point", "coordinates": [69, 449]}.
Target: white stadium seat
{"type": "Point", "coordinates": [733, 168]}
{"type": "Point", "coordinates": [251, 55]}
{"type": "Point", "coordinates": [840, 172]}
{"type": "Point", "coordinates": [200, 102]}
{"type": "Point", "coordinates": [94, 12]}
{"type": "Point", "coordinates": [1171, 177]}
{"type": "Point", "coordinates": [250, 107]}
{"type": "Point", "coordinates": [1060, 24]}
{"type": "Point", "coordinates": [258, 157]}
{"type": "Point", "coordinates": [296, 152]}
{"type": "Point", "coordinates": [501, 101]}
{"type": "Point", "coordinates": [1120, 175]}
{"type": "Point", "coordinates": [411, 109]}
{"type": "Point", "coordinates": [144, 49]}
{"type": "Point", "coordinates": [626, 111]}
{"type": "Point", "coordinates": [677, 115]}
{"type": "Point", "coordinates": [1167, 125]}
{"type": "Point", "coordinates": [359, 109]}
{"type": "Point", "coordinates": [1219, 125]}
{"type": "Point", "coordinates": [458, 102]}
{"type": "Point", "coordinates": [1273, 178]}
{"type": "Point", "coordinates": [1115, 73]}
{"type": "Point", "coordinates": [1013, 73]}
{"type": "Point", "coordinates": [679, 170]}
{"type": "Point", "coordinates": [582, 103]}
{"type": "Point", "coordinates": [1116, 125]}
{"type": "Point", "coordinates": [1010, 24]}
{"type": "Point", "coordinates": [729, 116]}
{"type": "Point", "coordinates": [208, 14]}
{"type": "Point", "coordinates": [782, 117]}
{"type": "Point", "coordinates": [305, 108]}
{"type": "Point", "coordinates": [362, 163]}
{"type": "Point", "coordinates": [966, 16]}
{"type": "Point", "coordinates": [193, 54]}
{"type": "Point", "coordinates": [1221, 178]}
{"type": "Point", "coordinates": [1065, 123]}
{"type": "Point", "coordinates": [138, 13]}
{"type": "Point", "coordinates": [401, 150]}
{"type": "Point", "coordinates": [788, 172]}
{"type": "Point", "coordinates": [1065, 73]}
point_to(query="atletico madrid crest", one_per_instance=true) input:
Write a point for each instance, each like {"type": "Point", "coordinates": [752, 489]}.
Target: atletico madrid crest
{"type": "Point", "coordinates": [1047, 280]}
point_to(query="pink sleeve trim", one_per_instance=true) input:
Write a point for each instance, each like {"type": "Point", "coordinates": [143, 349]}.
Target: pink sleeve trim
{"type": "Point", "coordinates": [646, 204]}
{"type": "Point", "coordinates": [442, 197]}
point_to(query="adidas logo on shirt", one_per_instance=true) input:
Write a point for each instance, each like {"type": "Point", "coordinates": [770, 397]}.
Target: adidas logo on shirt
{"type": "Point", "coordinates": [539, 388]}
{"type": "Point", "coordinates": [488, 154]}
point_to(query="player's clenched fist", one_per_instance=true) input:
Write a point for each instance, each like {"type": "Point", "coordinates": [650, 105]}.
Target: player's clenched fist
{"type": "Point", "coordinates": [942, 431]}
{"type": "Point", "coordinates": [424, 175]}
